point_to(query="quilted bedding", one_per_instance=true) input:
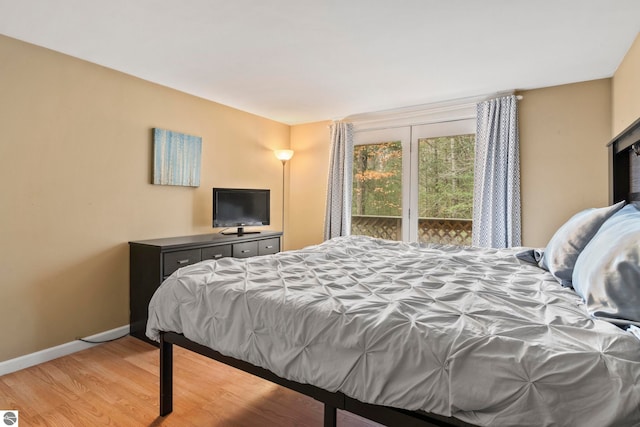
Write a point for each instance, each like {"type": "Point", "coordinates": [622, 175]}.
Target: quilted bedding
{"type": "Point", "coordinates": [464, 332]}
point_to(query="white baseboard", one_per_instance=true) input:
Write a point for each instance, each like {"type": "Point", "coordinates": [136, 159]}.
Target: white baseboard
{"type": "Point", "coordinates": [47, 354]}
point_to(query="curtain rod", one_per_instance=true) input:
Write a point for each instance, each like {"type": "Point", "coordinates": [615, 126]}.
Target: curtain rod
{"type": "Point", "coordinates": [434, 105]}
{"type": "Point", "coordinates": [432, 122]}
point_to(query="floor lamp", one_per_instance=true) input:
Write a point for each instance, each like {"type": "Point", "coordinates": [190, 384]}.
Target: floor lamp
{"type": "Point", "coordinates": [284, 156]}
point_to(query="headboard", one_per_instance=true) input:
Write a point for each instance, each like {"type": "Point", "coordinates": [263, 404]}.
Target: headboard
{"type": "Point", "coordinates": [624, 165]}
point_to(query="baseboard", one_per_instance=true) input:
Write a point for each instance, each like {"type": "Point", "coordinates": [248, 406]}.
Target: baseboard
{"type": "Point", "coordinates": [45, 355]}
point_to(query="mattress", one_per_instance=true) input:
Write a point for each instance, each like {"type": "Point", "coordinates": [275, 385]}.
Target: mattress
{"type": "Point", "coordinates": [472, 333]}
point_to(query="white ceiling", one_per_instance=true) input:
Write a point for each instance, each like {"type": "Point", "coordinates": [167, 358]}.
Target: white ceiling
{"type": "Point", "coordinates": [298, 61]}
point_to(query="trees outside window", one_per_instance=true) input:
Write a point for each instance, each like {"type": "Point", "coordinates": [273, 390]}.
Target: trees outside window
{"type": "Point", "coordinates": [377, 190]}
{"type": "Point", "coordinates": [445, 177]}
{"type": "Point", "coordinates": [377, 179]}
{"type": "Point", "coordinates": [431, 176]}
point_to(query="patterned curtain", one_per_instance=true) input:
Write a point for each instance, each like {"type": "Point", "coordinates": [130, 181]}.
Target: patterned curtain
{"type": "Point", "coordinates": [337, 221]}
{"type": "Point", "coordinates": [496, 199]}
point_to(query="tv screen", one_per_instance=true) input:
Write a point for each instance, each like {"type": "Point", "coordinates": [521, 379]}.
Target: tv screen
{"type": "Point", "coordinates": [234, 207]}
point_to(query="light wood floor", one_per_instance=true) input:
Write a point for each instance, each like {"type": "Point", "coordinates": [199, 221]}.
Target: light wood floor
{"type": "Point", "coordinates": [116, 384]}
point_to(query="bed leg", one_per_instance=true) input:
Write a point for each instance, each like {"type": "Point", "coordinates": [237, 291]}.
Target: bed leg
{"type": "Point", "coordinates": [166, 377]}
{"type": "Point", "coordinates": [329, 415]}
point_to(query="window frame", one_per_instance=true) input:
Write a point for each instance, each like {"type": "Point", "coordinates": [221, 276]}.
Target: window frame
{"type": "Point", "coordinates": [408, 125]}
{"type": "Point", "coordinates": [432, 130]}
{"type": "Point", "coordinates": [402, 134]}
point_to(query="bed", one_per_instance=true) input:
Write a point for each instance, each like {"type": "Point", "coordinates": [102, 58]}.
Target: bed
{"type": "Point", "coordinates": [410, 334]}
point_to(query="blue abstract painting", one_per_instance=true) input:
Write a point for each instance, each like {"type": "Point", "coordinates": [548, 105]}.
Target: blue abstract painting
{"type": "Point", "coordinates": [176, 158]}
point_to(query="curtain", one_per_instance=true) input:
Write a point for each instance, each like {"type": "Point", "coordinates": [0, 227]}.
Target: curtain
{"type": "Point", "coordinates": [338, 212]}
{"type": "Point", "coordinates": [496, 199]}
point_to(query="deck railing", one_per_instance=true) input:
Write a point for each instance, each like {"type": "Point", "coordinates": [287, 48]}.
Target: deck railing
{"type": "Point", "coordinates": [450, 231]}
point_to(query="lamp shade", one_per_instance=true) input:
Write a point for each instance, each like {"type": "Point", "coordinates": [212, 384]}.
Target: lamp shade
{"type": "Point", "coordinates": [283, 155]}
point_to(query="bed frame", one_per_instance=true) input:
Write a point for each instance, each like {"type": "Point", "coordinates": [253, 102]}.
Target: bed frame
{"type": "Point", "coordinates": [332, 400]}
{"type": "Point", "coordinates": [624, 184]}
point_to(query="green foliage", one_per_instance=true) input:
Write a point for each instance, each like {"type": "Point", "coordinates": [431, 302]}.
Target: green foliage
{"type": "Point", "coordinates": [377, 179]}
{"type": "Point", "coordinates": [445, 178]}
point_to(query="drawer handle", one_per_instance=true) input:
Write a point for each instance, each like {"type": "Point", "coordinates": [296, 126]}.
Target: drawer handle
{"type": "Point", "coordinates": [269, 247]}
{"type": "Point", "coordinates": [183, 261]}
{"type": "Point", "coordinates": [246, 251]}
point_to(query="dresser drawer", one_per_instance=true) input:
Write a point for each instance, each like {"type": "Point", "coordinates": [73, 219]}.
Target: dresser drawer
{"type": "Point", "coordinates": [245, 250]}
{"type": "Point", "coordinates": [269, 246]}
{"type": "Point", "coordinates": [174, 260]}
{"type": "Point", "coordinates": [216, 252]}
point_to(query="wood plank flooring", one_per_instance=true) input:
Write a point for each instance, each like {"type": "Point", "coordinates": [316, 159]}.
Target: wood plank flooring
{"type": "Point", "coordinates": [116, 384]}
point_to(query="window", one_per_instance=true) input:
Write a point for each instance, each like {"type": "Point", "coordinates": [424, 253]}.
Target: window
{"type": "Point", "coordinates": [415, 183]}
{"type": "Point", "coordinates": [377, 190]}
{"type": "Point", "coordinates": [445, 189]}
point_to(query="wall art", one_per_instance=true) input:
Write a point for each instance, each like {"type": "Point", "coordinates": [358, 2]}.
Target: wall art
{"type": "Point", "coordinates": [176, 158]}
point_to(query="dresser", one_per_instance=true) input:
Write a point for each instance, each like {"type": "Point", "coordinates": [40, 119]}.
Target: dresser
{"type": "Point", "coordinates": [152, 261]}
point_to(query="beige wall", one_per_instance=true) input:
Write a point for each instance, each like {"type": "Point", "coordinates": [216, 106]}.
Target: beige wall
{"type": "Point", "coordinates": [308, 184]}
{"type": "Point", "coordinates": [626, 90]}
{"type": "Point", "coordinates": [75, 170]}
{"type": "Point", "coordinates": [563, 158]}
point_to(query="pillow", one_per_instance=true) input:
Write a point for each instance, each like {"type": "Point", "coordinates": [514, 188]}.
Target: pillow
{"type": "Point", "coordinates": [530, 256]}
{"type": "Point", "coordinates": [566, 244]}
{"type": "Point", "coordinates": [607, 272]}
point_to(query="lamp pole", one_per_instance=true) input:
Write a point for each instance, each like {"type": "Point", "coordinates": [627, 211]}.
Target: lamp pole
{"type": "Point", "coordinates": [283, 156]}
{"type": "Point", "coordinates": [284, 162]}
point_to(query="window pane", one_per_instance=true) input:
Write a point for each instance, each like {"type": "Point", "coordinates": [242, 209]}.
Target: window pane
{"type": "Point", "coordinates": [445, 189]}
{"type": "Point", "coordinates": [376, 208]}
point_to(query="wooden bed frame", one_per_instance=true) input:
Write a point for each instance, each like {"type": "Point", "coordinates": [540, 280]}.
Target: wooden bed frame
{"type": "Point", "coordinates": [624, 184]}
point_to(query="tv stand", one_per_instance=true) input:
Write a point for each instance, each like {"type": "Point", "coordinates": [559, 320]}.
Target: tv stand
{"type": "Point", "coordinates": [152, 261]}
{"type": "Point", "coordinates": [239, 232]}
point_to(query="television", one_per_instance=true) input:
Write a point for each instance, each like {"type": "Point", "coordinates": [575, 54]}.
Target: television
{"type": "Point", "coordinates": [235, 207]}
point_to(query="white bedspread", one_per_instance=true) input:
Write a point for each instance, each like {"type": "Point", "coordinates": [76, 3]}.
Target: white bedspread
{"type": "Point", "coordinates": [462, 332]}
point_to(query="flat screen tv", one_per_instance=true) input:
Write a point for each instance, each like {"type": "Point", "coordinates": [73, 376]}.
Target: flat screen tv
{"type": "Point", "coordinates": [235, 207]}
